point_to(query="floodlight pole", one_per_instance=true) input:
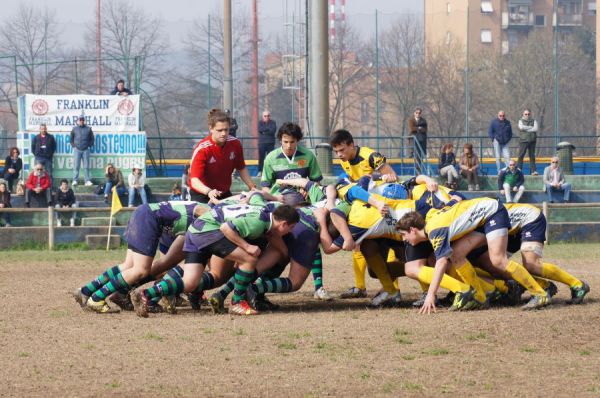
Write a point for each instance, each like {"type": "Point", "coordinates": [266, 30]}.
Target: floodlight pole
{"type": "Point", "coordinates": [227, 62]}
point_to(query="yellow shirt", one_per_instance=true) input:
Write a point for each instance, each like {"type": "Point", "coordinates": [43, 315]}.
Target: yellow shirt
{"type": "Point", "coordinates": [366, 162]}
{"type": "Point", "coordinates": [451, 223]}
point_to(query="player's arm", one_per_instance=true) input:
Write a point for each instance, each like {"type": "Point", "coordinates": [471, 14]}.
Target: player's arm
{"type": "Point", "coordinates": [340, 223]}
{"type": "Point", "coordinates": [293, 182]}
{"type": "Point", "coordinates": [440, 268]}
{"type": "Point", "coordinates": [326, 241]}
{"type": "Point", "coordinates": [245, 176]}
{"type": "Point", "coordinates": [232, 234]}
{"type": "Point", "coordinates": [331, 195]}
{"type": "Point", "coordinates": [358, 192]}
{"type": "Point", "coordinates": [387, 173]}
{"type": "Point", "coordinates": [431, 183]}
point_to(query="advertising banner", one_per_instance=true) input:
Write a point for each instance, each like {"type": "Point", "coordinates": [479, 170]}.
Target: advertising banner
{"type": "Point", "coordinates": [123, 150]}
{"type": "Point", "coordinates": [103, 113]}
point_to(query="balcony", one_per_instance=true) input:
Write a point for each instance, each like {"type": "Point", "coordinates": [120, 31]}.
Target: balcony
{"type": "Point", "coordinates": [569, 20]}
{"type": "Point", "coordinates": [520, 18]}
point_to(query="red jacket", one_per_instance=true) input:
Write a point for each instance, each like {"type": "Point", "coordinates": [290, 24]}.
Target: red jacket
{"type": "Point", "coordinates": [32, 181]}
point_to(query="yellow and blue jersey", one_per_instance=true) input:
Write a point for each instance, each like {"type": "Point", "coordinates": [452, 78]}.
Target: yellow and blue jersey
{"type": "Point", "coordinates": [526, 221]}
{"type": "Point", "coordinates": [451, 223]}
{"type": "Point", "coordinates": [365, 162]}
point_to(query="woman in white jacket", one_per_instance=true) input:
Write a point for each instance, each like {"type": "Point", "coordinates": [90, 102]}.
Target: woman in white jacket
{"type": "Point", "coordinates": [137, 180]}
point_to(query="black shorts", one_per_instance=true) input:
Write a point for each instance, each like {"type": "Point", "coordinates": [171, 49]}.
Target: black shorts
{"type": "Point", "coordinates": [421, 251]}
{"type": "Point", "coordinates": [143, 231]}
{"type": "Point", "coordinates": [221, 248]}
{"type": "Point", "coordinates": [202, 198]}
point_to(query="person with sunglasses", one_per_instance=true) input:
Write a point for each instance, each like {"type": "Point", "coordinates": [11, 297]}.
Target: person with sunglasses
{"type": "Point", "coordinates": [500, 132]}
{"type": "Point", "coordinates": [528, 128]}
{"type": "Point", "coordinates": [38, 186]}
{"type": "Point", "coordinates": [554, 180]}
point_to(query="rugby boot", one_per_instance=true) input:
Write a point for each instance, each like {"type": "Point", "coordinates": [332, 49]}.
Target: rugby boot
{"type": "Point", "coordinates": [354, 292]}
{"type": "Point", "coordinates": [242, 308]}
{"type": "Point", "coordinates": [321, 294]}
{"type": "Point", "coordinates": [140, 303]}
{"type": "Point", "coordinates": [101, 307]}
{"type": "Point", "coordinates": [80, 298]}
{"type": "Point", "coordinates": [123, 301]}
{"type": "Point", "coordinates": [536, 302]}
{"type": "Point", "coordinates": [578, 293]}
{"type": "Point", "coordinates": [217, 303]}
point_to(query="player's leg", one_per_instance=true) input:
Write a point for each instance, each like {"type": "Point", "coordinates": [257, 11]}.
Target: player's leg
{"type": "Point", "coordinates": [317, 273]}
{"type": "Point", "coordinates": [244, 275]}
{"type": "Point", "coordinates": [359, 266]}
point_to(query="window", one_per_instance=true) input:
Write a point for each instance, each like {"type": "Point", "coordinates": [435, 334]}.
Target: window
{"type": "Point", "coordinates": [364, 112]}
{"type": "Point", "coordinates": [540, 20]}
{"type": "Point", "coordinates": [486, 36]}
{"type": "Point", "coordinates": [513, 39]}
{"type": "Point", "coordinates": [518, 14]}
{"type": "Point", "coordinates": [448, 8]}
{"type": "Point", "coordinates": [486, 6]}
{"type": "Point", "coordinates": [592, 7]}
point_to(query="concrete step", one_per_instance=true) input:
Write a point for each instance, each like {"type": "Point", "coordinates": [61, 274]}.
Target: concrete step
{"type": "Point", "coordinates": [539, 196]}
{"type": "Point", "coordinates": [95, 221]}
{"type": "Point", "coordinates": [13, 236]}
{"type": "Point", "coordinates": [99, 241]}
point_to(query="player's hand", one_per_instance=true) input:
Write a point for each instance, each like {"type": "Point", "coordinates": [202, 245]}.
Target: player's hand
{"type": "Point", "coordinates": [348, 245]}
{"type": "Point", "coordinates": [502, 192]}
{"type": "Point", "coordinates": [388, 178]}
{"type": "Point", "coordinates": [383, 208]}
{"type": "Point", "coordinates": [428, 305]}
{"type": "Point", "coordinates": [253, 250]}
{"type": "Point", "coordinates": [321, 215]}
{"type": "Point", "coordinates": [431, 184]}
{"type": "Point", "coordinates": [214, 194]}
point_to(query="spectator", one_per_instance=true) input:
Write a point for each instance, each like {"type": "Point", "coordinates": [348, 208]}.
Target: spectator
{"type": "Point", "coordinates": [500, 132]}
{"type": "Point", "coordinates": [214, 159]}
{"type": "Point", "coordinates": [5, 203]}
{"type": "Point", "coordinates": [554, 180]}
{"type": "Point", "coordinates": [120, 89]}
{"type": "Point", "coordinates": [528, 128]}
{"type": "Point", "coordinates": [233, 126]}
{"type": "Point", "coordinates": [447, 166]}
{"type": "Point", "coordinates": [82, 139]}
{"type": "Point", "coordinates": [65, 198]}
{"type": "Point", "coordinates": [176, 192]}
{"type": "Point", "coordinates": [38, 187]}
{"type": "Point", "coordinates": [137, 180]}
{"type": "Point", "coordinates": [20, 191]}
{"type": "Point", "coordinates": [267, 128]}
{"type": "Point", "coordinates": [511, 179]}
{"type": "Point", "coordinates": [417, 127]}
{"type": "Point", "coordinates": [185, 189]}
{"type": "Point", "coordinates": [469, 166]}
{"type": "Point", "coordinates": [114, 178]}
{"type": "Point", "coordinates": [12, 167]}
{"type": "Point", "coordinates": [43, 147]}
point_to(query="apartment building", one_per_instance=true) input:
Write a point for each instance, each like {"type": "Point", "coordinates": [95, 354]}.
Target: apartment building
{"type": "Point", "coordinates": [501, 24]}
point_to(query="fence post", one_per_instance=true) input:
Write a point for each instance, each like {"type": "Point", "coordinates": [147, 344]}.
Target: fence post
{"type": "Point", "coordinates": [50, 228]}
{"type": "Point", "coordinates": [545, 212]}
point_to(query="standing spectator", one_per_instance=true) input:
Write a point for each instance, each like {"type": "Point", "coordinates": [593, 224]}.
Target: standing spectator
{"type": "Point", "coordinates": [137, 180]}
{"type": "Point", "coordinates": [38, 187]}
{"type": "Point", "coordinates": [82, 139]}
{"type": "Point", "coordinates": [554, 180]}
{"type": "Point", "coordinates": [214, 159]}
{"type": "Point", "coordinates": [267, 128]}
{"type": "Point", "coordinates": [528, 128]}
{"type": "Point", "coordinates": [12, 167]}
{"type": "Point", "coordinates": [500, 132]}
{"type": "Point", "coordinates": [5, 203]}
{"type": "Point", "coordinates": [185, 189]}
{"type": "Point", "coordinates": [447, 166]}
{"type": "Point", "coordinates": [469, 165]}
{"type": "Point", "coordinates": [114, 178]}
{"type": "Point", "coordinates": [65, 198]}
{"type": "Point", "coordinates": [511, 179]}
{"type": "Point", "coordinates": [417, 127]}
{"type": "Point", "coordinates": [120, 89]}
{"type": "Point", "coordinates": [233, 127]}
{"type": "Point", "coordinates": [43, 147]}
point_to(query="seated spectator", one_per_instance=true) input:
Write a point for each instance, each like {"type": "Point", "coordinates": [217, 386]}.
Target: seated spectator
{"type": "Point", "coordinates": [447, 165]}
{"type": "Point", "coordinates": [114, 178]}
{"type": "Point", "coordinates": [5, 203]}
{"type": "Point", "coordinates": [65, 197]}
{"type": "Point", "coordinates": [554, 180]}
{"type": "Point", "coordinates": [185, 190]}
{"type": "Point", "coordinates": [20, 191]}
{"type": "Point", "coordinates": [511, 179]}
{"type": "Point", "coordinates": [120, 89]}
{"type": "Point", "coordinates": [38, 187]}
{"type": "Point", "coordinates": [137, 180]}
{"type": "Point", "coordinates": [175, 193]}
{"type": "Point", "coordinates": [469, 166]}
{"type": "Point", "coordinates": [12, 167]}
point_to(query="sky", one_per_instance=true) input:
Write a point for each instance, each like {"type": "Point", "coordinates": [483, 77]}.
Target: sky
{"type": "Point", "coordinates": [178, 15]}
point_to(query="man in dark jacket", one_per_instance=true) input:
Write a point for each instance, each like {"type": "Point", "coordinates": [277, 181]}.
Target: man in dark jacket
{"type": "Point", "coordinates": [500, 132]}
{"type": "Point", "coordinates": [233, 126]}
{"type": "Point", "coordinates": [82, 139]}
{"type": "Point", "coordinates": [417, 127]}
{"type": "Point", "coordinates": [43, 147]}
{"type": "Point", "coordinates": [267, 128]}
{"type": "Point", "coordinates": [120, 89]}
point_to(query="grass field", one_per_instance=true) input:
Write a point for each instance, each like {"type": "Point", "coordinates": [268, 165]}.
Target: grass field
{"type": "Point", "coordinates": [50, 347]}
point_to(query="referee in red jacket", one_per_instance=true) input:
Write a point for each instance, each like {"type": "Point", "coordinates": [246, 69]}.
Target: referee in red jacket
{"type": "Point", "coordinates": [214, 159]}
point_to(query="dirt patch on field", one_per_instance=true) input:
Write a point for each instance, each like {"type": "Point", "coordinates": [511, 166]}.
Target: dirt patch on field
{"type": "Point", "coordinates": [50, 347]}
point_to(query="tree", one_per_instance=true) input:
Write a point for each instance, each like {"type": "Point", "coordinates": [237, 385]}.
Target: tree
{"type": "Point", "coordinates": [32, 37]}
